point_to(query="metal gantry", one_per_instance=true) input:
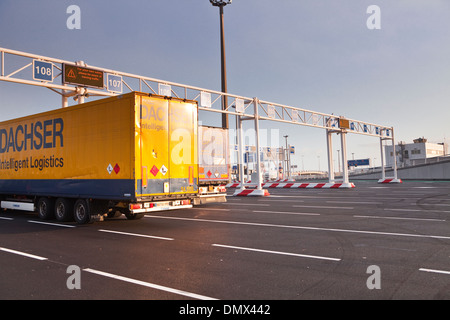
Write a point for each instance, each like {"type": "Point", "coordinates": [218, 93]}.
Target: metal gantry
{"type": "Point", "coordinates": [14, 69]}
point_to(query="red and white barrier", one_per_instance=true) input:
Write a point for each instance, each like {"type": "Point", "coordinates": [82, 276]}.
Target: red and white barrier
{"type": "Point", "coordinates": [309, 185]}
{"type": "Point", "coordinates": [293, 185]}
{"type": "Point", "coordinates": [249, 183]}
{"type": "Point", "coordinates": [233, 185]}
{"type": "Point", "coordinates": [251, 193]}
{"type": "Point", "coordinates": [390, 180]}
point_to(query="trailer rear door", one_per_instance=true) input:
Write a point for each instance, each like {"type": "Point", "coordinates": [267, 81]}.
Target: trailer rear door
{"type": "Point", "coordinates": [152, 142]}
{"type": "Point", "coordinates": [166, 146]}
{"type": "Point", "coordinates": [183, 165]}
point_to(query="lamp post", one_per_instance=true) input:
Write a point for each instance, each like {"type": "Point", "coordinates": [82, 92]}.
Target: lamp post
{"type": "Point", "coordinates": [221, 4]}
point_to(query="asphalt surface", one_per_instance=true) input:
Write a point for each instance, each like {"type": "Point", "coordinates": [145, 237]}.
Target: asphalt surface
{"type": "Point", "coordinates": [375, 241]}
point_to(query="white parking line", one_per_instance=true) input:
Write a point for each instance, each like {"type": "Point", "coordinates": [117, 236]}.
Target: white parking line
{"type": "Point", "coordinates": [355, 202]}
{"type": "Point", "coordinates": [398, 218]}
{"type": "Point", "coordinates": [324, 207]}
{"type": "Point", "coordinates": [374, 196]}
{"type": "Point", "coordinates": [415, 210]}
{"type": "Point", "coordinates": [149, 285]}
{"type": "Point", "coordinates": [135, 234]}
{"type": "Point", "coordinates": [306, 228]}
{"type": "Point", "coordinates": [248, 204]}
{"type": "Point", "coordinates": [430, 204]}
{"type": "Point", "coordinates": [23, 254]}
{"type": "Point", "coordinates": [277, 252]}
{"type": "Point", "coordinates": [284, 201]}
{"type": "Point", "coordinates": [434, 271]}
{"type": "Point", "coordinates": [294, 213]}
{"type": "Point", "coordinates": [211, 209]}
{"type": "Point", "coordinates": [52, 224]}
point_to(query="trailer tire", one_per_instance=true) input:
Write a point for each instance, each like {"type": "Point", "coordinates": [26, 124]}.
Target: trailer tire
{"type": "Point", "coordinates": [82, 212]}
{"type": "Point", "coordinates": [134, 216]}
{"type": "Point", "coordinates": [46, 208]}
{"type": "Point", "coordinates": [63, 210]}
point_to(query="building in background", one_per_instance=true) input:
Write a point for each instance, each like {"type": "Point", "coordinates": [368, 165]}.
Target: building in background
{"type": "Point", "coordinates": [419, 152]}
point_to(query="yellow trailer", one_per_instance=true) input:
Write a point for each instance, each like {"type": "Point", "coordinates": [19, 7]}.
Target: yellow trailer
{"type": "Point", "coordinates": [130, 154]}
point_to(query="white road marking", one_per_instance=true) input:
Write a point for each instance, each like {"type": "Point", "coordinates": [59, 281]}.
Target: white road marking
{"type": "Point", "coordinates": [211, 209]}
{"type": "Point", "coordinates": [368, 197]}
{"type": "Point", "coordinates": [305, 228]}
{"type": "Point", "coordinates": [6, 218]}
{"type": "Point", "coordinates": [23, 254]}
{"type": "Point", "coordinates": [430, 204]}
{"type": "Point", "coordinates": [425, 187]}
{"type": "Point", "coordinates": [277, 252]}
{"type": "Point", "coordinates": [295, 213]}
{"type": "Point", "coordinates": [135, 234]}
{"type": "Point", "coordinates": [356, 202]}
{"type": "Point", "coordinates": [52, 224]}
{"type": "Point", "coordinates": [284, 201]}
{"type": "Point", "coordinates": [324, 207]}
{"type": "Point", "coordinates": [398, 218]}
{"type": "Point", "coordinates": [434, 271]}
{"type": "Point", "coordinates": [415, 210]}
{"type": "Point", "coordinates": [149, 285]}
{"type": "Point", "coordinates": [248, 204]}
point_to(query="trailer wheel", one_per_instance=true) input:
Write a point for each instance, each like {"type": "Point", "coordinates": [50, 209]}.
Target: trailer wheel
{"type": "Point", "coordinates": [63, 210]}
{"type": "Point", "coordinates": [81, 212]}
{"type": "Point", "coordinates": [46, 208]}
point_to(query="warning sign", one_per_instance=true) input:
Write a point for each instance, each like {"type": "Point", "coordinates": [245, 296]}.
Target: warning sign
{"type": "Point", "coordinates": [163, 170]}
{"type": "Point", "coordinates": [344, 123]}
{"type": "Point", "coordinates": [82, 76]}
{"type": "Point", "coordinates": [154, 171]}
{"type": "Point", "coordinates": [71, 74]}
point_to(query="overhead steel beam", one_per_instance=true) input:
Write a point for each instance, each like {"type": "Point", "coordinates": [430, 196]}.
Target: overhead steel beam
{"type": "Point", "coordinates": [269, 110]}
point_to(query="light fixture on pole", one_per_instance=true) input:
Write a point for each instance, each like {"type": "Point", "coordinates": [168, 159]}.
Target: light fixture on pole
{"type": "Point", "coordinates": [221, 4]}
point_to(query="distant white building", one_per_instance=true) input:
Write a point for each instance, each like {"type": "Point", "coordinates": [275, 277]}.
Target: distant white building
{"type": "Point", "coordinates": [409, 154]}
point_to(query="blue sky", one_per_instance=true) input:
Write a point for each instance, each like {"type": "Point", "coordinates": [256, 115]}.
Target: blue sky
{"type": "Point", "coordinates": [313, 54]}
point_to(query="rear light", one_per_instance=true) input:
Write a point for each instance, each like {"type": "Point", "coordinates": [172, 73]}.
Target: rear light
{"type": "Point", "coordinates": [185, 202]}
{"type": "Point", "coordinates": [135, 206]}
